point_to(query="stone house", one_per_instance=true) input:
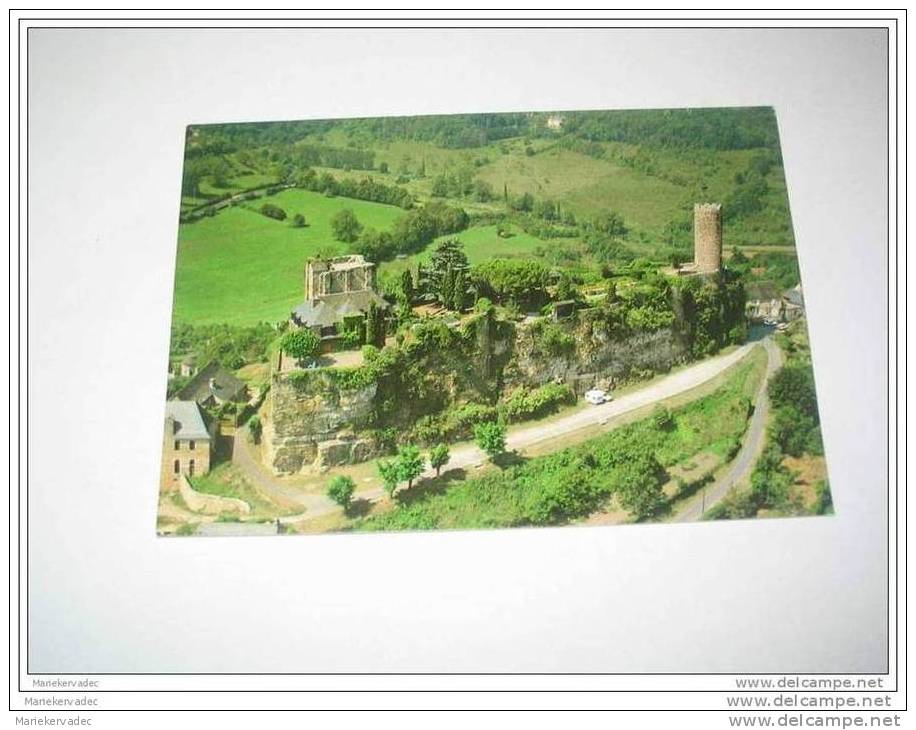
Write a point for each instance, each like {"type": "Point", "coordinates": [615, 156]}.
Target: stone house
{"type": "Point", "coordinates": [338, 293]}
{"type": "Point", "coordinates": [187, 442]}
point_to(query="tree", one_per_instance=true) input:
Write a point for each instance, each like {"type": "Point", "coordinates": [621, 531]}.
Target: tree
{"type": "Point", "coordinates": [341, 490]}
{"type": "Point", "coordinates": [345, 226]}
{"type": "Point", "coordinates": [525, 203]}
{"type": "Point", "coordinates": [300, 343]}
{"type": "Point", "coordinates": [491, 437]}
{"type": "Point", "coordinates": [566, 289]}
{"type": "Point", "coordinates": [298, 221]}
{"type": "Point", "coordinates": [407, 290]}
{"type": "Point", "coordinates": [440, 187]}
{"type": "Point", "coordinates": [439, 456]}
{"type": "Point", "coordinates": [446, 291]}
{"type": "Point", "coordinates": [388, 471]}
{"type": "Point", "coordinates": [255, 428]}
{"type": "Point", "coordinates": [375, 326]}
{"type": "Point", "coordinates": [410, 463]}
{"type": "Point", "coordinates": [519, 281]}
{"type": "Point", "coordinates": [610, 224]}
{"type": "Point", "coordinates": [483, 192]}
{"type": "Point", "coordinates": [459, 290]}
{"type": "Point", "coordinates": [793, 384]}
{"type": "Point", "coordinates": [445, 262]}
{"type": "Point", "coordinates": [639, 485]}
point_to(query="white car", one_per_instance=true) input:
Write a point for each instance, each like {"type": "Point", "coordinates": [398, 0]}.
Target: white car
{"type": "Point", "coordinates": [596, 397]}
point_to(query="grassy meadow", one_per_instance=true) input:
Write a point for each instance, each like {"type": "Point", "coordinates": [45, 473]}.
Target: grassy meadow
{"type": "Point", "coordinates": [241, 267]}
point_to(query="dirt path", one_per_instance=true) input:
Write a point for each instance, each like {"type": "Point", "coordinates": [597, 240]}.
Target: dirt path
{"type": "Point", "coordinates": [742, 465]}
{"type": "Point", "coordinates": [468, 455]}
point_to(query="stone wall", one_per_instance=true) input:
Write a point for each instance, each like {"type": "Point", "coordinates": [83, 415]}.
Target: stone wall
{"type": "Point", "coordinates": [210, 504]}
{"type": "Point", "coordinates": [311, 422]}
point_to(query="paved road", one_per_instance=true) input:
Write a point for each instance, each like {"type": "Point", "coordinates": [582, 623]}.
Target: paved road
{"type": "Point", "coordinates": [465, 456]}
{"type": "Point", "coordinates": [743, 464]}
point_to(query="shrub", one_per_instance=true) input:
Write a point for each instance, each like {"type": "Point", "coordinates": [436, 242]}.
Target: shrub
{"type": "Point", "coordinates": [273, 211]}
{"type": "Point", "coordinates": [341, 490]}
{"type": "Point", "coordinates": [491, 437]}
{"type": "Point", "coordinates": [662, 418]}
{"type": "Point", "coordinates": [526, 403]}
{"type": "Point", "coordinates": [300, 344]}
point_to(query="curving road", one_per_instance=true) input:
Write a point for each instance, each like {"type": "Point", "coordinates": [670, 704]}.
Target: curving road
{"type": "Point", "coordinates": [468, 455]}
{"type": "Point", "coordinates": [743, 464]}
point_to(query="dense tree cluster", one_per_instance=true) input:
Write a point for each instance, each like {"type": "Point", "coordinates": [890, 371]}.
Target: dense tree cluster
{"type": "Point", "coordinates": [720, 129]}
{"type": "Point", "coordinates": [521, 282]}
{"type": "Point", "coordinates": [415, 230]}
{"type": "Point", "coordinates": [232, 347]}
{"type": "Point", "coordinates": [363, 189]}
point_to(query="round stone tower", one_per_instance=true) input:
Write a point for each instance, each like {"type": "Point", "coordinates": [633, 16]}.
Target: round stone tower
{"type": "Point", "coordinates": [707, 237]}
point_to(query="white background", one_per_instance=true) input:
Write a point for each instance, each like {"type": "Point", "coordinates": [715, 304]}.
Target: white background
{"type": "Point", "coordinates": [107, 111]}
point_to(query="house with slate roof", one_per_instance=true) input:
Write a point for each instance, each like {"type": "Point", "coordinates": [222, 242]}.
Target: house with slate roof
{"type": "Point", "coordinates": [337, 291]}
{"type": "Point", "coordinates": [187, 442]}
{"type": "Point", "coordinates": [214, 385]}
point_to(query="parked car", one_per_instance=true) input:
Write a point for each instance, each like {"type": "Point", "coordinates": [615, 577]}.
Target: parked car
{"type": "Point", "coordinates": [596, 397]}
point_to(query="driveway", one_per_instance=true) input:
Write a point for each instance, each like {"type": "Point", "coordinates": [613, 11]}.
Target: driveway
{"type": "Point", "coordinates": [743, 464]}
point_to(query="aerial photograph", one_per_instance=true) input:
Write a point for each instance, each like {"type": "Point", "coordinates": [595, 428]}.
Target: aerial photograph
{"type": "Point", "coordinates": [487, 320]}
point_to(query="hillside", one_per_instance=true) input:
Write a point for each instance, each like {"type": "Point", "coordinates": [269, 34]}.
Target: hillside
{"type": "Point", "coordinates": [595, 193]}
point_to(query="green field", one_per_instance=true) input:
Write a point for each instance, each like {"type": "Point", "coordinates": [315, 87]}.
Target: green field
{"type": "Point", "coordinates": [241, 267]}
{"type": "Point", "coordinates": [481, 244]}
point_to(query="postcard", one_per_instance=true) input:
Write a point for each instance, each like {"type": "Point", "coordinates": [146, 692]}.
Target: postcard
{"type": "Point", "coordinates": [487, 321]}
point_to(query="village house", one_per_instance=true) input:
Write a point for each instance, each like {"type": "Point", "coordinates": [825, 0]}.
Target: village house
{"type": "Point", "coordinates": [187, 442]}
{"type": "Point", "coordinates": [338, 291]}
{"type": "Point", "coordinates": [766, 302]}
{"type": "Point", "coordinates": [213, 386]}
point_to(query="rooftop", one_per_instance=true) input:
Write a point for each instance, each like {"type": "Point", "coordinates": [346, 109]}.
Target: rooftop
{"type": "Point", "coordinates": [333, 308]}
{"type": "Point", "coordinates": [225, 385]}
{"type": "Point", "coordinates": [188, 420]}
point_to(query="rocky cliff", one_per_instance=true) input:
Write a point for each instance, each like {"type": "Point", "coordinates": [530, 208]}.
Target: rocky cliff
{"type": "Point", "coordinates": [587, 355]}
{"type": "Point", "coordinates": [311, 421]}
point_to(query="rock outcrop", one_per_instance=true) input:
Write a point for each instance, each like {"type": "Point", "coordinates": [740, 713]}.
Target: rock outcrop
{"type": "Point", "coordinates": [311, 421]}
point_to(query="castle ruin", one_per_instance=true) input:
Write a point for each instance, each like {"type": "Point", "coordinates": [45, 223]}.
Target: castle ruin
{"type": "Point", "coordinates": [338, 275]}
{"type": "Point", "coordinates": [707, 237]}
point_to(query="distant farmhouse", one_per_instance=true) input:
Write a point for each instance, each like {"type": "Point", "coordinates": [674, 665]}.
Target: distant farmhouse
{"type": "Point", "coordinates": [187, 442]}
{"type": "Point", "coordinates": [213, 386]}
{"type": "Point", "coordinates": [336, 290]}
{"type": "Point", "coordinates": [555, 121]}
